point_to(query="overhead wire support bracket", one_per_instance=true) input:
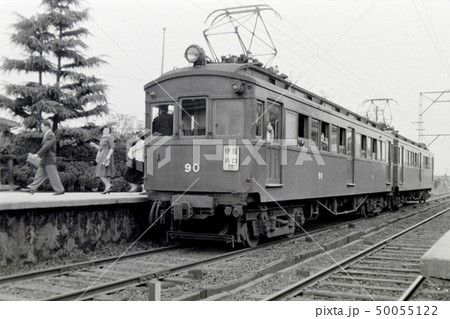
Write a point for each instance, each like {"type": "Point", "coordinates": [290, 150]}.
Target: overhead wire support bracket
{"type": "Point", "coordinates": [431, 96]}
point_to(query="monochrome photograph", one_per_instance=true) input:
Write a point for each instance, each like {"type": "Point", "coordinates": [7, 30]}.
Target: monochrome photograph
{"type": "Point", "coordinates": [235, 151]}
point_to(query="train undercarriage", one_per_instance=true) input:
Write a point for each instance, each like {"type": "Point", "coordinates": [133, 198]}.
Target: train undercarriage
{"type": "Point", "coordinates": [242, 219]}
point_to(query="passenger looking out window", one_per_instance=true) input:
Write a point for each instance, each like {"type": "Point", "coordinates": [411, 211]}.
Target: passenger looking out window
{"type": "Point", "coordinates": [273, 118]}
{"type": "Point", "coordinates": [324, 134]}
{"type": "Point", "coordinates": [324, 142]}
{"type": "Point", "coordinates": [302, 130]}
{"type": "Point", "coordinates": [269, 133]}
{"type": "Point", "coordinates": [363, 145]}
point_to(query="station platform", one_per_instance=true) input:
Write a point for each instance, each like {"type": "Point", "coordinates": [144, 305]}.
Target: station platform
{"type": "Point", "coordinates": [436, 261]}
{"type": "Point", "coordinates": [42, 226]}
{"type": "Point", "coordinates": [15, 200]}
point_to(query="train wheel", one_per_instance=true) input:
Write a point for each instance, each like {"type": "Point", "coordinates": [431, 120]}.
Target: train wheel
{"type": "Point", "coordinates": [250, 240]}
{"type": "Point", "coordinates": [291, 233]}
{"type": "Point", "coordinates": [226, 226]}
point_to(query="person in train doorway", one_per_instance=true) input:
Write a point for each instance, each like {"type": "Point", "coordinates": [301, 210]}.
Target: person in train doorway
{"type": "Point", "coordinates": [47, 166]}
{"type": "Point", "coordinates": [163, 123]}
{"type": "Point", "coordinates": [135, 170]}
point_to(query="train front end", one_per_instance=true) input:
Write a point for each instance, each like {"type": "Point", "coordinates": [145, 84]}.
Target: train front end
{"type": "Point", "coordinates": [198, 117]}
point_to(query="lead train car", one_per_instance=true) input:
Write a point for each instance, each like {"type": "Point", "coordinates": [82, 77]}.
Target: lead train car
{"type": "Point", "coordinates": [253, 156]}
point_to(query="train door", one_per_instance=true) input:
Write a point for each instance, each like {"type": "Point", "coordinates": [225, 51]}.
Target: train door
{"type": "Point", "coordinates": [396, 164]}
{"type": "Point", "coordinates": [389, 157]}
{"type": "Point", "coordinates": [350, 156]}
{"type": "Point", "coordinates": [420, 168]}
{"type": "Point", "coordinates": [401, 164]}
{"type": "Point", "coordinates": [272, 130]}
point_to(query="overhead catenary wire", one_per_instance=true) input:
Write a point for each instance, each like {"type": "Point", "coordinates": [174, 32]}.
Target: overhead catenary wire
{"type": "Point", "coordinates": [436, 44]}
{"type": "Point", "coordinates": [351, 76]}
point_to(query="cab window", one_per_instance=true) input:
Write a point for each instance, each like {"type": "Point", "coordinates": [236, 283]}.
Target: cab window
{"type": "Point", "coordinates": [162, 119]}
{"type": "Point", "coordinates": [193, 117]}
{"type": "Point", "coordinates": [229, 118]}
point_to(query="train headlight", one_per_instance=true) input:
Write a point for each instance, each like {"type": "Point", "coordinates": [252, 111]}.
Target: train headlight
{"type": "Point", "coordinates": [195, 54]}
{"type": "Point", "coordinates": [231, 158]}
{"type": "Point", "coordinates": [237, 87]}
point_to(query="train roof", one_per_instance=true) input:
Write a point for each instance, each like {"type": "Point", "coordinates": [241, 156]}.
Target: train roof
{"type": "Point", "coordinates": [272, 76]}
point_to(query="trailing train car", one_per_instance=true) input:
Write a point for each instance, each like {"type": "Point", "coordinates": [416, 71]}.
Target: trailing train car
{"type": "Point", "coordinates": [250, 155]}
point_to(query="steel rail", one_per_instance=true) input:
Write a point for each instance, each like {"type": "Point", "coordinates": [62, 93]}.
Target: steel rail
{"type": "Point", "coordinates": [138, 280]}
{"type": "Point", "coordinates": [296, 288]}
{"type": "Point", "coordinates": [141, 279]}
{"type": "Point", "coordinates": [77, 266]}
{"type": "Point", "coordinates": [92, 263]}
{"type": "Point", "coordinates": [412, 288]}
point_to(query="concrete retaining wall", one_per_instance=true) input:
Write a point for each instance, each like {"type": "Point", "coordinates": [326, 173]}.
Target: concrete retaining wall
{"type": "Point", "coordinates": [39, 234]}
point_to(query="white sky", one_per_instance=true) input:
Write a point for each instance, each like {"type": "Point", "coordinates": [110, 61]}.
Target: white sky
{"type": "Point", "coordinates": [374, 49]}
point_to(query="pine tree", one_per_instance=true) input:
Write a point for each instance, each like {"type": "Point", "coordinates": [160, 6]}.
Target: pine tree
{"type": "Point", "coordinates": [53, 42]}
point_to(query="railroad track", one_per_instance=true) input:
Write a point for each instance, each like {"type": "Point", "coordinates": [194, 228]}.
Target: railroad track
{"type": "Point", "coordinates": [86, 280]}
{"type": "Point", "coordinates": [368, 275]}
{"type": "Point", "coordinates": [59, 283]}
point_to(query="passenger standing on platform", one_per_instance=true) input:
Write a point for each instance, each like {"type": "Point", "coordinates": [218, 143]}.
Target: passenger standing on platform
{"type": "Point", "coordinates": [163, 123]}
{"type": "Point", "coordinates": [104, 159]}
{"type": "Point", "coordinates": [47, 167]}
{"type": "Point", "coordinates": [135, 172]}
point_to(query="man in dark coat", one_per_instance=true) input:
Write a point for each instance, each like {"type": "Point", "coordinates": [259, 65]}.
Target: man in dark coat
{"type": "Point", "coordinates": [163, 123]}
{"type": "Point", "coordinates": [47, 167]}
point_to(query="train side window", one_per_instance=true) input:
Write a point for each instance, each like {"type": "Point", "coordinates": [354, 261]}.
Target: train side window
{"type": "Point", "coordinates": [324, 136]}
{"type": "Point", "coordinates": [374, 148]}
{"type": "Point", "coordinates": [273, 122]}
{"type": "Point", "coordinates": [342, 137]}
{"type": "Point", "coordinates": [383, 151]}
{"type": "Point", "coordinates": [229, 118]}
{"type": "Point", "coordinates": [363, 145]}
{"type": "Point", "coordinates": [302, 130]}
{"type": "Point", "coordinates": [369, 147]}
{"type": "Point", "coordinates": [358, 145]}
{"type": "Point", "coordinates": [193, 117]}
{"type": "Point", "coordinates": [291, 128]}
{"type": "Point", "coordinates": [402, 156]}
{"type": "Point", "coordinates": [259, 120]}
{"type": "Point", "coordinates": [315, 132]}
{"type": "Point", "coordinates": [334, 138]}
{"type": "Point", "coordinates": [380, 150]}
{"type": "Point", "coordinates": [349, 137]}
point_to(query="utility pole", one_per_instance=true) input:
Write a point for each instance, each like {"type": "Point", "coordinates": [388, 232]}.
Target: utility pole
{"type": "Point", "coordinates": [163, 44]}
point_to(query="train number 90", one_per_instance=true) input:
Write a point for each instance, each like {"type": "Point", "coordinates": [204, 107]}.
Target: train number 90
{"type": "Point", "coordinates": [188, 167]}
